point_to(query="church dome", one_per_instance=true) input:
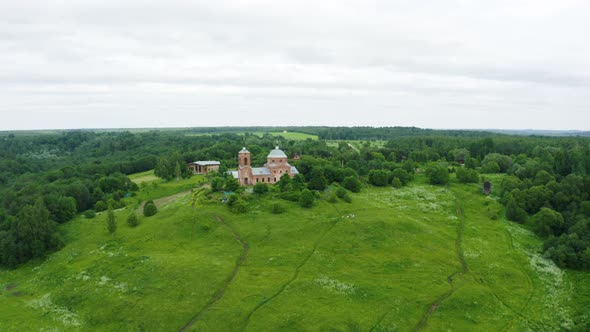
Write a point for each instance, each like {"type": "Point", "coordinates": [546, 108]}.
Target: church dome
{"type": "Point", "coordinates": [277, 153]}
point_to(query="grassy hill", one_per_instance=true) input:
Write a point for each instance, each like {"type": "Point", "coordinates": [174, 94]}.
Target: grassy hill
{"type": "Point", "coordinates": [418, 258]}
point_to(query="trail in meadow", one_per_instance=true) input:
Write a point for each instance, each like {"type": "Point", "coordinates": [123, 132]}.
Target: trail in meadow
{"type": "Point", "coordinates": [519, 314]}
{"type": "Point", "coordinates": [219, 294]}
{"type": "Point", "coordinates": [293, 278]}
{"type": "Point", "coordinates": [451, 278]}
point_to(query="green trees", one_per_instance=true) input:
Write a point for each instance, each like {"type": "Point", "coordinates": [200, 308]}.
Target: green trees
{"type": "Point", "coordinates": [100, 206]}
{"type": "Point", "coordinates": [149, 209]}
{"type": "Point", "coordinates": [317, 181]}
{"type": "Point", "coordinates": [31, 235]}
{"type": "Point", "coordinates": [379, 178]}
{"type": "Point", "coordinates": [402, 175]}
{"type": "Point", "coordinates": [514, 212]}
{"type": "Point", "coordinates": [171, 167]}
{"type": "Point", "coordinates": [490, 167]}
{"type": "Point", "coordinates": [217, 184]}
{"type": "Point", "coordinates": [467, 175]}
{"type": "Point", "coordinates": [285, 184]}
{"type": "Point", "coordinates": [61, 209]}
{"type": "Point", "coordinates": [437, 174]}
{"type": "Point", "coordinates": [460, 154]}
{"type": "Point", "coordinates": [492, 160]}
{"type": "Point", "coordinates": [543, 178]}
{"type": "Point", "coordinates": [111, 222]}
{"type": "Point", "coordinates": [352, 183]}
{"type": "Point", "coordinates": [231, 184]}
{"type": "Point", "coordinates": [306, 199]}
{"type": "Point", "coordinates": [547, 222]}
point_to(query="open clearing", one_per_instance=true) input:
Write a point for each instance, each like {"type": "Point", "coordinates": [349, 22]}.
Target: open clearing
{"type": "Point", "coordinates": [418, 258]}
{"type": "Point", "coordinates": [295, 136]}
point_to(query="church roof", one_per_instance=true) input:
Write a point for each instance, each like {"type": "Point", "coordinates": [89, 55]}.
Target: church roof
{"type": "Point", "coordinates": [260, 171]}
{"type": "Point", "coordinates": [277, 153]}
{"type": "Point", "coordinates": [207, 163]}
{"type": "Point", "coordinates": [244, 150]}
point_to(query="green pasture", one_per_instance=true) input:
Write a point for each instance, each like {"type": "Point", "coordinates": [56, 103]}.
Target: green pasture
{"type": "Point", "coordinates": [295, 136]}
{"type": "Point", "coordinates": [417, 258]}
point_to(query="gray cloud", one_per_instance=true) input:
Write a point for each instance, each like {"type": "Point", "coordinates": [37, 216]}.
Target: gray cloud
{"type": "Point", "coordinates": [451, 64]}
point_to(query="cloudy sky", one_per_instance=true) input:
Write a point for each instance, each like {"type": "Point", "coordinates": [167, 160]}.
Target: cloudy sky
{"type": "Point", "coordinates": [431, 63]}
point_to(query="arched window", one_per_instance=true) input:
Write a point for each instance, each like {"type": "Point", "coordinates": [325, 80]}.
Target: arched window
{"type": "Point", "coordinates": [245, 161]}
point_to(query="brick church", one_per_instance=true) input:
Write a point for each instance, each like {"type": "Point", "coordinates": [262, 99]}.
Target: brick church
{"type": "Point", "coordinates": [275, 167]}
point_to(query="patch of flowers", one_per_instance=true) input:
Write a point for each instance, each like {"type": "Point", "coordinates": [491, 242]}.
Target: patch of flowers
{"type": "Point", "coordinates": [58, 313]}
{"type": "Point", "coordinates": [334, 286]}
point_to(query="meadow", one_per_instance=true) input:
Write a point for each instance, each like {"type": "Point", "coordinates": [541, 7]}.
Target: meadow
{"type": "Point", "coordinates": [294, 136]}
{"type": "Point", "coordinates": [416, 258]}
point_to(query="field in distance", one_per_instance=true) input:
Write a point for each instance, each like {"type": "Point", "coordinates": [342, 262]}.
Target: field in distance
{"type": "Point", "coordinates": [417, 258]}
{"type": "Point", "coordinates": [288, 135]}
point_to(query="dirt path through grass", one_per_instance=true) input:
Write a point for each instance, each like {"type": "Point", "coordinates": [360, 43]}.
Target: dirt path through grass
{"type": "Point", "coordinates": [219, 294]}
{"type": "Point", "coordinates": [293, 277]}
{"type": "Point", "coordinates": [451, 278]}
{"type": "Point", "coordinates": [520, 313]}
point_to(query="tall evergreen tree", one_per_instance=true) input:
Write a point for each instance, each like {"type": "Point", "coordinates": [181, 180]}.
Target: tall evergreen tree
{"type": "Point", "coordinates": [111, 223]}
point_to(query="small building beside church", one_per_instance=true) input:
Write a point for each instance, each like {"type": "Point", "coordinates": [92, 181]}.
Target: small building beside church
{"type": "Point", "coordinates": [276, 166]}
{"type": "Point", "coordinates": [204, 167]}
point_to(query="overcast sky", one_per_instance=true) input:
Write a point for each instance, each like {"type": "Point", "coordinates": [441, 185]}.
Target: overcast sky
{"type": "Point", "coordinates": [433, 64]}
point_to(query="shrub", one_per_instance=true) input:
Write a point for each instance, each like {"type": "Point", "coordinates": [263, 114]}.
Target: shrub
{"type": "Point", "coordinates": [341, 192]}
{"type": "Point", "coordinates": [89, 214]}
{"type": "Point", "coordinates": [100, 206]}
{"type": "Point", "coordinates": [437, 174]}
{"type": "Point", "coordinates": [277, 208]}
{"type": "Point", "coordinates": [467, 175]}
{"type": "Point", "coordinates": [378, 177]}
{"type": "Point", "coordinates": [232, 199]}
{"type": "Point", "coordinates": [149, 209]}
{"type": "Point", "coordinates": [132, 220]}
{"type": "Point", "coordinates": [397, 183]}
{"type": "Point", "coordinates": [352, 183]}
{"type": "Point", "coordinates": [292, 196]}
{"type": "Point", "coordinates": [306, 199]}
{"type": "Point", "coordinates": [347, 198]}
{"type": "Point", "coordinates": [261, 188]}
{"type": "Point", "coordinates": [217, 184]}
{"type": "Point", "coordinates": [403, 176]}
{"type": "Point", "coordinates": [240, 206]}
{"type": "Point", "coordinates": [331, 198]}
{"type": "Point", "coordinates": [231, 184]}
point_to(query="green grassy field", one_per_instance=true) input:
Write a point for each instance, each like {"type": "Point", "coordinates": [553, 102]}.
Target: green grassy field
{"type": "Point", "coordinates": [288, 135]}
{"type": "Point", "coordinates": [418, 258]}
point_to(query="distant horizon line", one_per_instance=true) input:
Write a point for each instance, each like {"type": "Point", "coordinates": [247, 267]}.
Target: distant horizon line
{"type": "Point", "coordinates": [297, 126]}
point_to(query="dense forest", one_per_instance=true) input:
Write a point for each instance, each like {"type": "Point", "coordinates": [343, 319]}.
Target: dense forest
{"type": "Point", "coordinates": [48, 178]}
